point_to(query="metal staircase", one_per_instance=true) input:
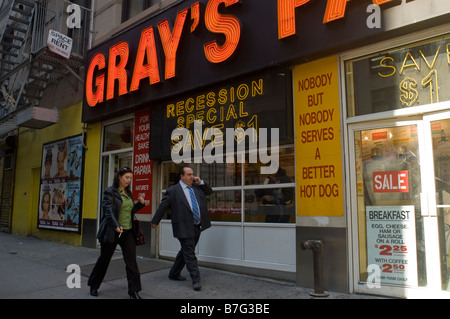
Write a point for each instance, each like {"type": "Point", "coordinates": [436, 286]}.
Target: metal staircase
{"type": "Point", "coordinates": [16, 30]}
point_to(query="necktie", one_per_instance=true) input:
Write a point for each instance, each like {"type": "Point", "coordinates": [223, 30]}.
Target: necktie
{"type": "Point", "coordinates": [194, 203]}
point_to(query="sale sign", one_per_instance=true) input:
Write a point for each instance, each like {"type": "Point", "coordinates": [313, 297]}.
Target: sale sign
{"type": "Point", "coordinates": [391, 182]}
{"type": "Point", "coordinates": [391, 243]}
{"type": "Point", "coordinates": [142, 165]}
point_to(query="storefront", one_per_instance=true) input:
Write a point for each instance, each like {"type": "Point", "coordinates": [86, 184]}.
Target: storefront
{"type": "Point", "coordinates": [351, 134]}
{"type": "Point", "coordinates": [397, 126]}
{"type": "Point", "coordinates": [253, 213]}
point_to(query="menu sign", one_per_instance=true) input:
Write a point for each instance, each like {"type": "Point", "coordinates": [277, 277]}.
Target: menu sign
{"type": "Point", "coordinates": [142, 165]}
{"type": "Point", "coordinates": [391, 243]}
{"type": "Point", "coordinates": [318, 138]}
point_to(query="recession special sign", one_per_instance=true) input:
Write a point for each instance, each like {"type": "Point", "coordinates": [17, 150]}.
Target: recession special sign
{"type": "Point", "coordinates": [195, 44]}
{"type": "Point", "coordinates": [318, 139]}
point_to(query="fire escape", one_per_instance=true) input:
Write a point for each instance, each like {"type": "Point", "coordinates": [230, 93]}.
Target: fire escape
{"type": "Point", "coordinates": [27, 64]}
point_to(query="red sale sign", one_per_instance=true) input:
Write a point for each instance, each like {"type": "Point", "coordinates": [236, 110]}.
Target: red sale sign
{"type": "Point", "coordinates": [142, 165]}
{"type": "Point", "coordinates": [391, 182]}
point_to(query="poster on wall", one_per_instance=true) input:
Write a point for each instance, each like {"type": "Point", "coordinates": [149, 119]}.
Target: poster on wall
{"type": "Point", "coordinates": [391, 243]}
{"type": "Point", "coordinates": [60, 196]}
{"type": "Point", "coordinates": [142, 165]}
{"type": "Point", "coordinates": [318, 139]}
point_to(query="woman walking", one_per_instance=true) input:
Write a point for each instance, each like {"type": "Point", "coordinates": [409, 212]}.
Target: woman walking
{"type": "Point", "coordinates": [115, 228]}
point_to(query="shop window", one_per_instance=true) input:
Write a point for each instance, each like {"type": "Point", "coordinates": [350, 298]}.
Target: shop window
{"type": "Point", "coordinates": [399, 78]}
{"type": "Point", "coordinates": [242, 193]}
{"type": "Point", "coordinates": [119, 136]}
{"type": "Point", "coordinates": [132, 8]}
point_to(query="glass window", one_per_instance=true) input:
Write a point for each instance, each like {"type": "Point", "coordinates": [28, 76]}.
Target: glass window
{"type": "Point", "coordinates": [234, 201]}
{"type": "Point", "coordinates": [220, 175]}
{"type": "Point", "coordinates": [399, 78]}
{"type": "Point", "coordinates": [119, 136]}
{"type": "Point", "coordinates": [225, 206]}
{"type": "Point", "coordinates": [285, 174]}
{"type": "Point", "coordinates": [270, 205]}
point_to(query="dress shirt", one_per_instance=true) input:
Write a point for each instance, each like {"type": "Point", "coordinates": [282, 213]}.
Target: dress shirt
{"type": "Point", "coordinates": [186, 193]}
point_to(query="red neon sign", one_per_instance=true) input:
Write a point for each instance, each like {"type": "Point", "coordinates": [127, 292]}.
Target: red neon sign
{"type": "Point", "coordinates": [117, 71]}
{"type": "Point", "coordinates": [146, 63]}
{"type": "Point", "coordinates": [221, 23]}
{"type": "Point", "coordinates": [98, 61]}
{"type": "Point", "coordinates": [119, 53]}
{"type": "Point", "coordinates": [286, 13]}
{"type": "Point", "coordinates": [147, 48]}
{"type": "Point", "coordinates": [171, 41]}
{"type": "Point", "coordinates": [286, 16]}
{"type": "Point", "coordinates": [195, 16]}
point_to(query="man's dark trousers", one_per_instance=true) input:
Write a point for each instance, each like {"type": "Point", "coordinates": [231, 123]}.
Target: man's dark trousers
{"type": "Point", "coordinates": [186, 256]}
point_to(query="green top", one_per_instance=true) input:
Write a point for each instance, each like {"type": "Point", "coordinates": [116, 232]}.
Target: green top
{"type": "Point", "coordinates": [125, 210]}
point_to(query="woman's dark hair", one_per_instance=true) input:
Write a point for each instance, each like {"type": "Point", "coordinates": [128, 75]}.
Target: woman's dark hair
{"type": "Point", "coordinates": [122, 172]}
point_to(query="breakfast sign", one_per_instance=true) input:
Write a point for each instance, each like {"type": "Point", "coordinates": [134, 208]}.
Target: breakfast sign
{"type": "Point", "coordinates": [391, 243]}
{"type": "Point", "coordinates": [199, 43]}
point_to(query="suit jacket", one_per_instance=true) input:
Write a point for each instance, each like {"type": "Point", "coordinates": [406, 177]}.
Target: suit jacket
{"type": "Point", "coordinates": [112, 202]}
{"type": "Point", "coordinates": [182, 217]}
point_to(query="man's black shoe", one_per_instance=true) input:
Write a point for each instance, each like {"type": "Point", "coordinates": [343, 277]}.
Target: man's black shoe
{"type": "Point", "coordinates": [196, 286]}
{"type": "Point", "coordinates": [177, 278]}
{"type": "Point", "coordinates": [94, 292]}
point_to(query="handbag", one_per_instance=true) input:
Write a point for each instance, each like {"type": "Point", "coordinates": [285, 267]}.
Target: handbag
{"type": "Point", "coordinates": [140, 239]}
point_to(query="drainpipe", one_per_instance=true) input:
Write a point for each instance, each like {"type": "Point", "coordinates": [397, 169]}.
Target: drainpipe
{"type": "Point", "coordinates": [92, 30]}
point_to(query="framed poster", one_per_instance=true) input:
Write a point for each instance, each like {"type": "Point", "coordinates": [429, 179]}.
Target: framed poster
{"type": "Point", "coordinates": [61, 187]}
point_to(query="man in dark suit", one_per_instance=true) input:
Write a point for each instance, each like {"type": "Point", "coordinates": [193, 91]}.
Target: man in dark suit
{"type": "Point", "coordinates": [187, 202]}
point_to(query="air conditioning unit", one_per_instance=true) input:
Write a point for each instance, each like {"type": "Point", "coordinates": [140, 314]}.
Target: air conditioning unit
{"type": "Point", "coordinates": [37, 117]}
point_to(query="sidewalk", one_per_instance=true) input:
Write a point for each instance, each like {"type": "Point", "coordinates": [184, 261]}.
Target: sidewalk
{"type": "Point", "coordinates": [35, 269]}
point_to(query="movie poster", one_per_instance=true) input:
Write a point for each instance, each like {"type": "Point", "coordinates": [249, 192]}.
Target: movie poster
{"type": "Point", "coordinates": [60, 196]}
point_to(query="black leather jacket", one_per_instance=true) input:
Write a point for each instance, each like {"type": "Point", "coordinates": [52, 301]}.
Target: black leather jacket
{"type": "Point", "coordinates": [111, 203]}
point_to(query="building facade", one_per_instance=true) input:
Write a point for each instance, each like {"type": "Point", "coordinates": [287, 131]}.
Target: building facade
{"type": "Point", "coordinates": [312, 120]}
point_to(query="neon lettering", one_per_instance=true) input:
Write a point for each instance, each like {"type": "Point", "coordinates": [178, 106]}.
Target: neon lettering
{"type": "Point", "coordinates": [221, 23]}
{"type": "Point", "coordinates": [147, 48]}
{"type": "Point", "coordinates": [171, 40]}
{"type": "Point", "coordinates": [98, 61]}
{"type": "Point", "coordinates": [117, 71]}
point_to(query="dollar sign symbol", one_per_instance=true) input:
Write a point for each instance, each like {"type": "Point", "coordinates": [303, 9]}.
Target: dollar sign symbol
{"type": "Point", "coordinates": [240, 132]}
{"type": "Point", "coordinates": [410, 94]}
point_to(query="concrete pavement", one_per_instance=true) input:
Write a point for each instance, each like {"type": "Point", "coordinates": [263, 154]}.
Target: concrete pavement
{"type": "Point", "coordinates": [35, 269]}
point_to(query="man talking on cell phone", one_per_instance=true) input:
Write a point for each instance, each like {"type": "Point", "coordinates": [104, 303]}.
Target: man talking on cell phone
{"type": "Point", "coordinates": [187, 202]}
